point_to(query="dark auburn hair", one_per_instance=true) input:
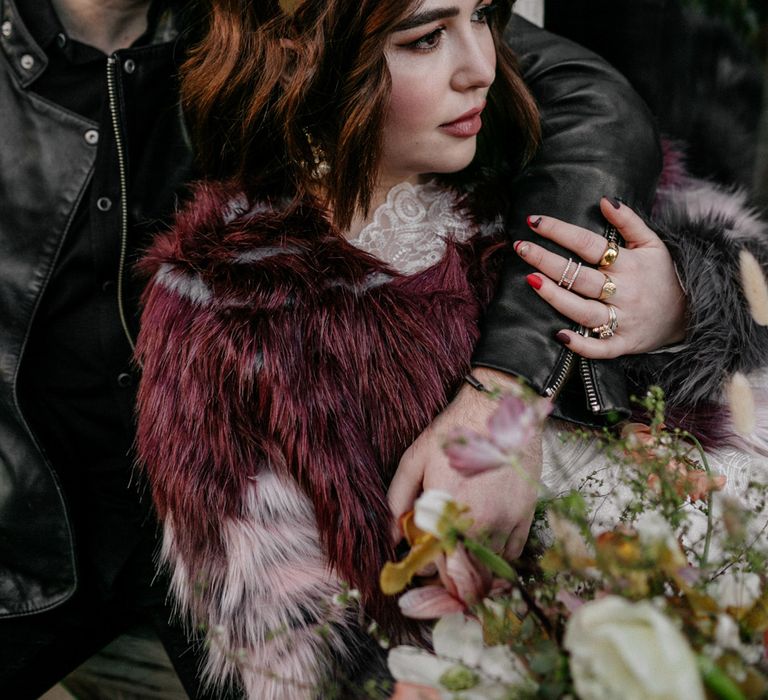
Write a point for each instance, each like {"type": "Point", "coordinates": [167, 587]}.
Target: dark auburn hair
{"type": "Point", "coordinates": [269, 93]}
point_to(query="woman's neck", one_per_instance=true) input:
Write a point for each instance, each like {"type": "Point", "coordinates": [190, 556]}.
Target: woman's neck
{"type": "Point", "coordinates": [362, 219]}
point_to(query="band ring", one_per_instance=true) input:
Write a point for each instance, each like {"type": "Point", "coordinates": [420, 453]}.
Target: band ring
{"type": "Point", "coordinates": [572, 281]}
{"type": "Point", "coordinates": [608, 330]}
{"type": "Point", "coordinates": [565, 272]}
{"type": "Point", "coordinates": [608, 289]}
{"type": "Point", "coordinates": [609, 255]}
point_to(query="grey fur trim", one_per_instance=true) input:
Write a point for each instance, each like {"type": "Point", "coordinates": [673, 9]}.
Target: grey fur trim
{"type": "Point", "coordinates": [705, 227]}
{"type": "Point", "coordinates": [186, 285]}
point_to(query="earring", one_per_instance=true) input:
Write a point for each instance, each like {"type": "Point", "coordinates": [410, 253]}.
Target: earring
{"type": "Point", "coordinates": [321, 167]}
{"type": "Point", "coordinates": [289, 7]}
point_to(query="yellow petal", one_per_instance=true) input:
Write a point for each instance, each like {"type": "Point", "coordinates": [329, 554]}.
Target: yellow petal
{"type": "Point", "coordinates": [755, 287]}
{"type": "Point", "coordinates": [396, 576]}
{"type": "Point", "coordinates": [411, 532]}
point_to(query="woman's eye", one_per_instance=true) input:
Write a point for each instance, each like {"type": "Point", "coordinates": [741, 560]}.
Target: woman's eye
{"type": "Point", "coordinates": [481, 14]}
{"type": "Point", "coordinates": [428, 42]}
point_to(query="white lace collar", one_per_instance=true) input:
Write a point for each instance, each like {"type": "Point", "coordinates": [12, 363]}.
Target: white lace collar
{"type": "Point", "coordinates": [410, 229]}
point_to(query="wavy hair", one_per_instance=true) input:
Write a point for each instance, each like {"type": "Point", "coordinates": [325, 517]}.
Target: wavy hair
{"type": "Point", "coordinates": [270, 92]}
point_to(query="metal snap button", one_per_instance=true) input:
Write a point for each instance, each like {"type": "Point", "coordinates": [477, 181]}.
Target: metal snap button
{"type": "Point", "coordinates": [91, 137]}
{"type": "Point", "coordinates": [61, 40]}
{"type": "Point", "coordinates": [129, 66]}
{"type": "Point", "coordinates": [124, 380]}
{"type": "Point", "coordinates": [107, 286]}
{"type": "Point", "coordinates": [6, 29]}
{"type": "Point", "coordinates": [27, 61]}
{"type": "Point", "coordinates": [103, 203]}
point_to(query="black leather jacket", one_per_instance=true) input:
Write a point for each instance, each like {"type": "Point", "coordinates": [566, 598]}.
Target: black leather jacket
{"type": "Point", "coordinates": [598, 139]}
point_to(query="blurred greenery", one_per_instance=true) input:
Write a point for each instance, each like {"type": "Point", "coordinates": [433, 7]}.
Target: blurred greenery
{"type": "Point", "coordinates": [748, 17]}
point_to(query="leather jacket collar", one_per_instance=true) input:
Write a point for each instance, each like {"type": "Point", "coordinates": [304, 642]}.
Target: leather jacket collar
{"type": "Point", "coordinates": [27, 57]}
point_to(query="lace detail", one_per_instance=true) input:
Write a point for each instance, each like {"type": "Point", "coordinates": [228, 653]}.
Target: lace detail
{"type": "Point", "coordinates": [410, 229]}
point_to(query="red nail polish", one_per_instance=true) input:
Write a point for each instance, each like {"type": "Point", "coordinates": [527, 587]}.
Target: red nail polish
{"type": "Point", "coordinates": [534, 222]}
{"type": "Point", "coordinates": [563, 338]}
{"type": "Point", "coordinates": [517, 245]}
{"type": "Point", "coordinates": [534, 281]}
{"type": "Point", "coordinates": [615, 203]}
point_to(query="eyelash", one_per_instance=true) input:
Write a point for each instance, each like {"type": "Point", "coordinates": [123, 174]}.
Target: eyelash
{"type": "Point", "coordinates": [423, 44]}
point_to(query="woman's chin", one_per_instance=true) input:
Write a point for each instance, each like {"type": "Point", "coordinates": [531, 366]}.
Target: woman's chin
{"type": "Point", "coordinates": [453, 162]}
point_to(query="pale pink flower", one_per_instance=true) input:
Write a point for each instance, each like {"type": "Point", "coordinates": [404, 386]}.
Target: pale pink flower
{"type": "Point", "coordinates": [471, 453]}
{"type": "Point", "coordinates": [463, 583]}
{"type": "Point", "coordinates": [515, 423]}
{"type": "Point", "coordinates": [429, 603]}
{"type": "Point", "coordinates": [469, 581]}
{"type": "Point", "coordinates": [571, 601]}
{"type": "Point", "coordinates": [512, 427]}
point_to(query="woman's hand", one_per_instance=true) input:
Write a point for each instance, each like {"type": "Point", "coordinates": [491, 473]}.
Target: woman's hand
{"type": "Point", "coordinates": [649, 303]}
{"type": "Point", "coordinates": [501, 501]}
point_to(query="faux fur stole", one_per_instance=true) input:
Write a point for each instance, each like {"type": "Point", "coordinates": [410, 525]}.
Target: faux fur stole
{"type": "Point", "coordinates": [705, 226]}
{"type": "Point", "coordinates": [270, 345]}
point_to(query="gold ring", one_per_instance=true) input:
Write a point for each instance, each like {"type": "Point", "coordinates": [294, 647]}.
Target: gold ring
{"type": "Point", "coordinates": [609, 255]}
{"type": "Point", "coordinates": [608, 290]}
{"type": "Point", "coordinates": [608, 330]}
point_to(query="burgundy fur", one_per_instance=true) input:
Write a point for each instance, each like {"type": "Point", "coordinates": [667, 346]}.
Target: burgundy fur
{"type": "Point", "coordinates": [291, 362]}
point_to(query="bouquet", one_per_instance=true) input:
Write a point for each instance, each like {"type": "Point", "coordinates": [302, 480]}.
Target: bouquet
{"type": "Point", "coordinates": [670, 600]}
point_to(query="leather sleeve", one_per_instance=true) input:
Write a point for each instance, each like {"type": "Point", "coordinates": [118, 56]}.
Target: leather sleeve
{"type": "Point", "coordinates": [599, 138]}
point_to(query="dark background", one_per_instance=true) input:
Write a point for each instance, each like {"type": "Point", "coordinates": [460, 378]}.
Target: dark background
{"type": "Point", "coordinates": [702, 66]}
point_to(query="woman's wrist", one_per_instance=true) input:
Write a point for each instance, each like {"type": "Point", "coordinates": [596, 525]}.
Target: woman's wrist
{"type": "Point", "coordinates": [490, 379]}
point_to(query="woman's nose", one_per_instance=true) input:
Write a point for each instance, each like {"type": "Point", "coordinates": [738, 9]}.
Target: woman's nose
{"type": "Point", "coordinates": [477, 63]}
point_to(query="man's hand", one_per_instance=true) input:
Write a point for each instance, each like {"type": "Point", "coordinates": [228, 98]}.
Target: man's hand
{"type": "Point", "coordinates": [502, 501]}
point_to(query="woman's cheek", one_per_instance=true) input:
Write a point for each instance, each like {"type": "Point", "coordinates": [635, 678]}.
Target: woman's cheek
{"type": "Point", "coordinates": [414, 101]}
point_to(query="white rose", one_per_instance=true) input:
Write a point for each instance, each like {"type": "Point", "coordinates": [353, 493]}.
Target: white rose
{"type": "Point", "coordinates": [429, 510]}
{"type": "Point", "coordinates": [632, 651]}
{"type": "Point", "coordinates": [736, 589]}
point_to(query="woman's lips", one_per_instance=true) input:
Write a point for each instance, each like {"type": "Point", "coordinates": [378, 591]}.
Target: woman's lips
{"type": "Point", "coordinates": [466, 125]}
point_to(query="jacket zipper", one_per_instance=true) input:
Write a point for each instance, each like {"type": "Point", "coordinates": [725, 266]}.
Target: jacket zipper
{"type": "Point", "coordinates": [585, 365]}
{"type": "Point", "coordinates": [113, 110]}
{"type": "Point", "coordinates": [564, 371]}
{"type": "Point", "coordinates": [590, 386]}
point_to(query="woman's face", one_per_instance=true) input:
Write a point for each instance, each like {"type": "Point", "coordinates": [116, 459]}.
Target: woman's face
{"type": "Point", "coordinates": [442, 61]}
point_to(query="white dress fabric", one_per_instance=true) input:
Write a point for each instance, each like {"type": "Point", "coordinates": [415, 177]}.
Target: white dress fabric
{"type": "Point", "coordinates": [409, 232]}
{"type": "Point", "coordinates": [410, 229]}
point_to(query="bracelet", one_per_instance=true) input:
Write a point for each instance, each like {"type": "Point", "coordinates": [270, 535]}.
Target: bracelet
{"type": "Point", "coordinates": [475, 383]}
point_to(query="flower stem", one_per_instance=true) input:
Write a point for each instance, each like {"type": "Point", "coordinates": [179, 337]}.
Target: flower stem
{"type": "Point", "coordinates": [716, 680]}
{"type": "Point", "coordinates": [704, 558]}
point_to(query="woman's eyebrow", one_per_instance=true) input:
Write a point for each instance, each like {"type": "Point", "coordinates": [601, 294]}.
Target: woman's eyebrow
{"type": "Point", "coordinates": [416, 20]}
